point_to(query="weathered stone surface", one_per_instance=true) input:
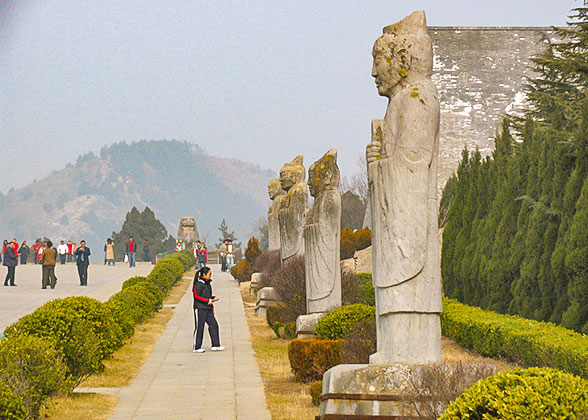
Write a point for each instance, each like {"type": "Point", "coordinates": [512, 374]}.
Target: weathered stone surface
{"type": "Point", "coordinates": [277, 195]}
{"type": "Point", "coordinates": [322, 236]}
{"type": "Point", "coordinates": [479, 73]}
{"type": "Point", "coordinates": [402, 175]}
{"type": "Point", "coordinates": [361, 262]}
{"type": "Point", "coordinates": [266, 297]}
{"type": "Point", "coordinates": [292, 209]}
{"type": "Point", "coordinates": [188, 232]}
{"type": "Point", "coordinates": [306, 325]}
{"type": "Point", "coordinates": [255, 281]}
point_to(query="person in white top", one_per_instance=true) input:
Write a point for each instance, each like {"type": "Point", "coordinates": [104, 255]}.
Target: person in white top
{"type": "Point", "coordinates": [62, 251]}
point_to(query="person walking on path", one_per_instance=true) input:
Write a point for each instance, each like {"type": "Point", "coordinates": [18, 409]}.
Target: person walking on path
{"type": "Point", "coordinates": [222, 250]}
{"type": "Point", "coordinates": [202, 255]}
{"type": "Point", "coordinates": [82, 254]}
{"type": "Point", "coordinates": [230, 255]}
{"type": "Point", "coordinates": [109, 252]}
{"type": "Point", "coordinates": [36, 247]}
{"type": "Point", "coordinates": [131, 251]}
{"type": "Point", "coordinates": [62, 251]}
{"type": "Point", "coordinates": [48, 262]}
{"type": "Point", "coordinates": [25, 251]}
{"type": "Point", "coordinates": [70, 251]}
{"type": "Point", "coordinates": [204, 311]}
{"type": "Point", "coordinates": [10, 261]}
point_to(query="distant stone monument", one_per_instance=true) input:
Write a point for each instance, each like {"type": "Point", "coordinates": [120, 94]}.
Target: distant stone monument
{"type": "Point", "coordinates": [402, 174]}
{"type": "Point", "coordinates": [322, 243]}
{"type": "Point", "coordinates": [276, 194]}
{"type": "Point", "coordinates": [188, 232]}
{"type": "Point", "coordinates": [292, 209]}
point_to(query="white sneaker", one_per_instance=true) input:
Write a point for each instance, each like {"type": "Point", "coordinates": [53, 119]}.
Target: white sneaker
{"type": "Point", "coordinates": [200, 350]}
{"type": "Point", "coordinates": [219, 348]}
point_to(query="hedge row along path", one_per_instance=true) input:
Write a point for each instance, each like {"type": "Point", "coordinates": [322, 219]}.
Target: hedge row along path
{"type": "Point", "coordinates": [103, 282]}
{"type": "Point", "coordinates": [178, 384]}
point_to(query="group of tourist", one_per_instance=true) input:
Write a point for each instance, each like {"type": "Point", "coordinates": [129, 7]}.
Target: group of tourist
{"type": "Point", "coordinates": [227, 254]}
{"type": "Point", "coordinates": [47, 255]}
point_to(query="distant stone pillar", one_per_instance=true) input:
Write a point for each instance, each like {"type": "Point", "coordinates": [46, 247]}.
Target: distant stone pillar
{"type": "Point", "coordinates": [276, 194]}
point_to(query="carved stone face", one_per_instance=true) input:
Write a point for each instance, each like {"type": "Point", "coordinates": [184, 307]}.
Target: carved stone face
{"type": "Point", "coordinates": [390, 63]}
{"type": "Point", "coordinates": [290, 175]}
{"type": "Point", "coordinates": [323, 174]}
{"type": "Point", "coordinates": [274, 188]}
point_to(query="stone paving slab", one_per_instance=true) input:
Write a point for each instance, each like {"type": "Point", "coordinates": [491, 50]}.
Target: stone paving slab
{"type": "Point", "coordinates": [103, 282]}
{"type": "Point", "coordinates": [176, 384]}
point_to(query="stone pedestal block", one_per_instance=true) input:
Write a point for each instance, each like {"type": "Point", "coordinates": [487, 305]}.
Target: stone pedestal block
{"type": "Point", "coordinates": [266, 297]}
{"type": "Point", "coordinates": [255, 281]}
{"type": "Point", "coordinates": [306, 325]}
{"type": "Point", "coordinates": [370, 392]}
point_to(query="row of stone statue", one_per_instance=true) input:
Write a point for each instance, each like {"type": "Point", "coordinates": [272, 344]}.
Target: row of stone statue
{"type": "Point", "coordinates": [313, 232]}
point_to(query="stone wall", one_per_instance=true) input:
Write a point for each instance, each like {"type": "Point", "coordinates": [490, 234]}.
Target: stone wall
{"type": "Point", "coordinates": [479, 73]}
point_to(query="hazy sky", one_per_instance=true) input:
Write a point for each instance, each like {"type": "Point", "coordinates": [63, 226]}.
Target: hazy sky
{"type": "Point", "coordinates": [260, 81]}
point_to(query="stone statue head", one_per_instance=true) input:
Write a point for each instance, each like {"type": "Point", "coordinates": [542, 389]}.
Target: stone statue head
{"type": "Point", "coordinates": [292, 173]}
{"type": "Point", "coordinates": [274, 188]}
{"type": "Point", "coordinates": [403, 52]}
{"type": "Point", "coordinates": [324, 173]}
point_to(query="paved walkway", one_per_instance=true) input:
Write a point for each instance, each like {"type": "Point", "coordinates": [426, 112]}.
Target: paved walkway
{"type": "Point", "coordinates": [177, 384]}
{"type": "Point", "coordinates": [103, 282]}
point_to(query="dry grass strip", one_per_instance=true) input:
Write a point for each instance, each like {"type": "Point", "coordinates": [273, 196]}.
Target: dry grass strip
{"type": "Point", "coordinates": [286, 399]}
{"type": "Point", "coordinates": [119, 370]}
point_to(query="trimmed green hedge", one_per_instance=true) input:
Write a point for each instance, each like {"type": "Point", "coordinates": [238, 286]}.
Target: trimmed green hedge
{"type": "Point", "coordinates": [531, 394]}
{"type": "Point", "coordinates": [11, 407]}
{"type": "Point", "coordinates": [336, 324]}
{"type": "Point", "coordinates": [530, 343]}
{"type": "Point", "coordinates": [311, 358]}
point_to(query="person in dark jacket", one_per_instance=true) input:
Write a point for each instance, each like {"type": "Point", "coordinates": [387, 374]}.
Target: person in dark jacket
{"type": "Point", "coordinates": [25, 251]}
{"type": "Point", "coordinates": [204, 311]}
{"type": "Point", "coordinates": [82, 254]}
{"type": "Point", "coordinates": [10, 261]}
{"type": "Point", "coordinates": [201, 255]}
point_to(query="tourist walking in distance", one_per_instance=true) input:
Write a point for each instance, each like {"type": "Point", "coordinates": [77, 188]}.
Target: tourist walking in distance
{"type": "Point", "coordinates": [70, 251]}
{"type": "Point", "coordinates": [230, 255]}
{"type": "Point", "coordinates": [222, 251]}
{"type": "Point", "coordinates": [109, 252]}
{"type": "Point", "coordinates": [62, 251]}
{"type": "Point", "coordinates": [10, 259]}
{"type": "Point", "coordinates": [36, 247]}
{"type": "Point", "coordinates": [48, 262]}
{"type": "Point", "coordinates": [204, 311]}
{"type": "Point", "coordinates": [131, 250]}
{"type": "Point", "coordinates": [25, 251]}
{"type": "Point", "coordinates": [82, 254]}
{"type": "Point", "coordinates": [202, 255]}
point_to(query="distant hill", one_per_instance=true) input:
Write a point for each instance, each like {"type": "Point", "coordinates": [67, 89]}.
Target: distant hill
{"type": "Point", "coordinates": [89, 199]}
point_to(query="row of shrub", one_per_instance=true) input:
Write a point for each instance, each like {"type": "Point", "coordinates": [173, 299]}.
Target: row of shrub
{"type": "Point", "coordinates": [529, 343]}
{"type": "Point", "coordinates": [62, 342]}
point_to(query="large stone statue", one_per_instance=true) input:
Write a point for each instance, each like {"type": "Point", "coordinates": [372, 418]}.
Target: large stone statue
{"type": "Point", "coordinates": [322, 236]}
{"type": "Point", "coordinates": [276, 194]}
{"type": "Point", "coordinates": [291, 213]}
{"type": "Point", "coordinates": [402, 174]}
{"type": "Point", "coordinates": [188, 232]}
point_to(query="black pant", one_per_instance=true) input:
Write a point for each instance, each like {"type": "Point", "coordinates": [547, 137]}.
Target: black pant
{"type": "Point", "coordinates": [10, 276]}
{"type": "Point", "coordinates": [62, 258]}
{"type": "Point", "coordinates": [83, 273]}
{"type": "Point", "coordinates": [48, 276]}
{"type": "Point", "coordinates": [202, 316]}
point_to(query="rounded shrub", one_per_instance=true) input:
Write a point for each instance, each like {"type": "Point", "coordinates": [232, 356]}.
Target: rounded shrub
{"type": "Point", "coordinates": [11, 407]}
{"type": "Point", "coordinates": [72, 335]}
{"type": "Point", "coordinates": [166, 273]}
{"type": "Point", "coordinates": [359, 341]}
{"type": "Point", "coordinates": [33, 369]}
{"type": "Point", "coordinates": [311, 358]}
{"type": "Point", "coordinates": [132, 281]}
{"type": "Point", "coordinates": [132, 301]}
{"type": "Point", "coordinates": [530, 394]}
{"type": "Point", "coordinates": [239, 271]}
{"type": "Point", "coordinates": [336, 324]}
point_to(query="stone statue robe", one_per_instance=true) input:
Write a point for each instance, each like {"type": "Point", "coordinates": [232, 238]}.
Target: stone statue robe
{"type": "Point", "coordinates": [274, 223]}
{"type": "Point", "coordinates": [403, 195]}
{"type": "Point", "coordinates": [291, 221]}
{"type": "Point", "coordinates": [322, 237]}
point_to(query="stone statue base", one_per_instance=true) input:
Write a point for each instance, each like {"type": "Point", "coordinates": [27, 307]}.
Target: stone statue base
{"type": "Point", "coordinates": [375, 391]}
{"type": "Point", "coordinates": [266, 297]}
{"type": "Point", "coordinates": [306, 325]}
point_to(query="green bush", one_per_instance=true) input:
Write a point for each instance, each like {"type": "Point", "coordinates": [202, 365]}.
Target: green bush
{"type": "Point", "coordinates": [311, 358]}
{"type": "Point", "coordinates": [166, 273]}
{"type": "Point", "coordinates": [11, 407]}
{"type": "Point", "coordinates": [316, 389]}
{"type": "Point", "coordinates": [336, 324]}
{"type": "Point", "coordinates": [366, 287]}
{"type": "Point", "coordinates": [286, 330]}
{"type": "Point", "coordinates": [186, 258]}
{"type": "Point", "coordinates": [529, 343]}
{"type": "Point", "coordinates": [33, 369]}
{"type": "Point", "coordinates": [532, 394]}
{"type": "Point", "coordinates": [132, 281]}
{"type": "Point", "coordinates": [359, 341]}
